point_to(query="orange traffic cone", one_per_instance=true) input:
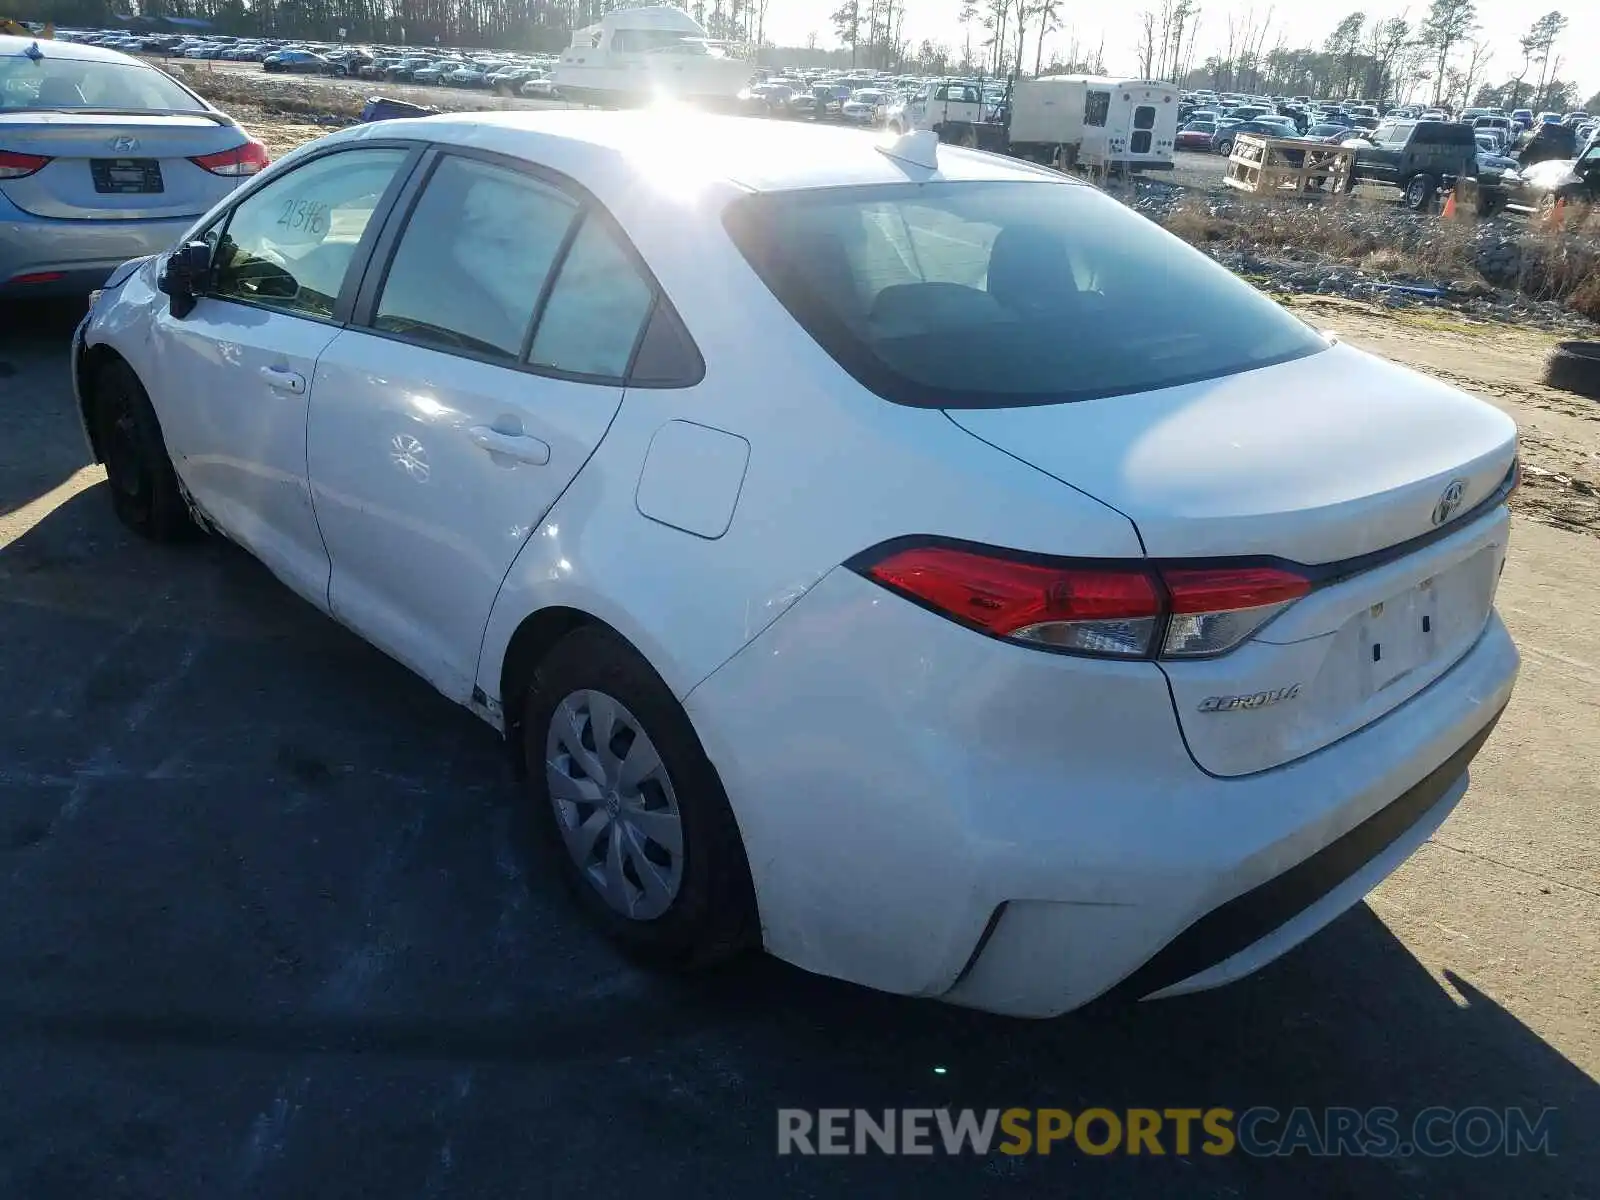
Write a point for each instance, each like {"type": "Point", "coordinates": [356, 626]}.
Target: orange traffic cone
{"type": "Point", "coordinates": [1449, 213]}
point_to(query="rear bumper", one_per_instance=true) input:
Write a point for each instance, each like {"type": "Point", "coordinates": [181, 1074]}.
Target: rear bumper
{"type": "Point", "coordinates": [79, 253]}
{"type": "Point", "coordinates": [930, 812]}
{"type": "Point", "coordinates": [1243, 934]}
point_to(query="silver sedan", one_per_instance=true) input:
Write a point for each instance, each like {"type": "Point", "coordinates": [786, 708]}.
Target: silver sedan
{"type": "Point", "coordinates": [103, 158]}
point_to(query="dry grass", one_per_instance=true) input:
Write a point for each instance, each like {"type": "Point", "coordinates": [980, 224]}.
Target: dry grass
{"type": "Point", "coordinates": [1387, 261]}
{"type": "Point", "coordinates": [1448, 251]}
{"type": "Point", "coordinates": [1584, 298]}
{"type": "Point", "coordinates": [1560, 258]}
{"type": "Point", "coordinates": [1198, 226]}
{"type": "Point", "coordinates": [298, 96]}
{"type": "Point", "coordinates": [1561, 265]}
{"type": "Point", "coordinates": [231, 90]}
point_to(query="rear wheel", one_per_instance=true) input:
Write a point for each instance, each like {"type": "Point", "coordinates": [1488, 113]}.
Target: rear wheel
{"type": "Point", "coordinates": [1421, 192]}
{"type": "Point", "coordinates": [630, 806]}
{"type": "Point", "coordinates": [144, 487]}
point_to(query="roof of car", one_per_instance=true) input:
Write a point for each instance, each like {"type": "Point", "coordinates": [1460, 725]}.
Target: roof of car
{"type": "Point", "coordinates": [50, 48]}
{"type": "Point", "coordinates": [753, 154]}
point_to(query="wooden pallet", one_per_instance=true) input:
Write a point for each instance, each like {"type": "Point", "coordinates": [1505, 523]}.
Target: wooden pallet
{"type": "Point", "coordinates": [1262, 164]}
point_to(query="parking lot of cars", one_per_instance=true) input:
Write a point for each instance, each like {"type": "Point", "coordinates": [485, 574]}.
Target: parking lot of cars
{"type": "Point", "coordinates": [1407, 146]}
{"type": "Point", "coordinates": [1509, 142]}
{"type": "Point", "coordinates": [869, 97]}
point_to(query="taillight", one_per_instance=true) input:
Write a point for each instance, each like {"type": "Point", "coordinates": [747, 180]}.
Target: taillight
{"type": "Point", "coordinates": [241, 160]}
{"type": "Point", "coordinates": [1129, 610]}
{"type": "Point", "coordinates": [1093, 610]}
{"type": "Point", "coordinates": [16, 166]}
{"type": "Point", "coordinates": [1216, 608]}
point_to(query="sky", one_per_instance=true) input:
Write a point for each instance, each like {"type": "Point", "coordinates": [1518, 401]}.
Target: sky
{"type": "Point", "coordinates": [1302, 22]}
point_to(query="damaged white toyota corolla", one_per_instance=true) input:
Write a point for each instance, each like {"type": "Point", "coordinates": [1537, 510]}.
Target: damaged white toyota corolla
{"type": "Point", "coordinates": [902, 558]}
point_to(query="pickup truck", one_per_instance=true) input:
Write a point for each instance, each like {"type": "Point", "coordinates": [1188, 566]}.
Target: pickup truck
{"type": "Point", "coordinates": [1418, 157]}
{"type": "Point", "coordinates": [954, 102]}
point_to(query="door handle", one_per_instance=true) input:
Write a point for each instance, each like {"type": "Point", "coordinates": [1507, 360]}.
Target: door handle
{"type": "Point", "coordinates": [281, 380]}
{"type": "Point", "coordinates": [520, 446]}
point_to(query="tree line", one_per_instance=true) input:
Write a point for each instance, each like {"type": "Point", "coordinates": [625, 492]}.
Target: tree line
{"type": "Point", "coordinates": [1439, 56]}
{"type": "Point", "coordinates": [540, 25]}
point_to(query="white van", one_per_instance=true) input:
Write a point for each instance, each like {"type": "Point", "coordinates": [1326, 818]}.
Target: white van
{"type": "Point", "coordinates": [1126, 124]}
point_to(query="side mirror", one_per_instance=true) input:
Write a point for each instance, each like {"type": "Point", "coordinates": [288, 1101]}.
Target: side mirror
{"type": "Point", "coordinates": [184, 277]}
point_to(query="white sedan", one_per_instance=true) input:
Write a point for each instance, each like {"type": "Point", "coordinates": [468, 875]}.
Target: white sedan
{"type": "Point", "coordinates": [896, 556]}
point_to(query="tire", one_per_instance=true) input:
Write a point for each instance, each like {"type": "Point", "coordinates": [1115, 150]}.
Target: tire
{"type": "Point", "coordinates": [144, 487]}
{"type": "Point", "coordinates": [1225, 149]}
{"type": "Point", "coordinates": [1575, 367]}
{"type": "Point", "coordinates": [699, 905]}
{"type": "Point", "coordinates": [1421, 192]}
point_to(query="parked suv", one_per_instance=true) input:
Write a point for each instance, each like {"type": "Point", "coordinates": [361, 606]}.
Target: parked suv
{"type": "Point", "coordinates": [1418, 157]}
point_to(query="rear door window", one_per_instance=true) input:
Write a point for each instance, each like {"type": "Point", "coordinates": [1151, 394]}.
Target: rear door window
{"type": "Point", "coordinates": [596, 310]}
{"type": "Point", "coordinates": [978, 294]}
{"type": "Point", "coordinates": [1144, 121]}
{"type": "Point", "coordinates": [501, 265]}
{"type": "Point", "coordinates": [473, 260]}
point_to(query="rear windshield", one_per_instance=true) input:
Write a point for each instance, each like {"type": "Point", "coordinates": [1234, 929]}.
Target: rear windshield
{"type": "Point", "coordinates": [996, 295]}
{"type": "Point", "coordinates": [78, 83]}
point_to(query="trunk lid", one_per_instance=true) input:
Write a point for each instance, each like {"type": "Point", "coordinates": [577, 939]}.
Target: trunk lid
{"type": "Point", "coordinates": [116, 166]}
{"type": "Point", "coordinates": [1339, 461]}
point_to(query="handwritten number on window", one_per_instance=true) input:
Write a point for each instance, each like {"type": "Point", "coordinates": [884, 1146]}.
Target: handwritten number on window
{"type": "Point", "coordinates": [304, 216]}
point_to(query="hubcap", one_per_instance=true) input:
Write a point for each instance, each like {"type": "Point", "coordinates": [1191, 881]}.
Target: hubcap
{"type": "Point", "coordinates": [614, 804]}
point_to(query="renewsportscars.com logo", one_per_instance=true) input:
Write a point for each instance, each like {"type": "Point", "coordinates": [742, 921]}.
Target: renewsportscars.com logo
{"type": "Point", "coordinates": [1258, 1132]}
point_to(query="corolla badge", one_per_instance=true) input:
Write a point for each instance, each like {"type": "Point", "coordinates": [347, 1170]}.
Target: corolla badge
{"type": "Point", "coordinates": [1223, 704]}
{"type": "Point", "coordinates": [1449, 501]}
{"type": "Point", "coordinates": [123, 144]}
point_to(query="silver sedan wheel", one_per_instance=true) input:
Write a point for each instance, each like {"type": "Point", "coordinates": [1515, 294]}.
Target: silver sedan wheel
{"type": "Point", "coordinates": [614, 804]}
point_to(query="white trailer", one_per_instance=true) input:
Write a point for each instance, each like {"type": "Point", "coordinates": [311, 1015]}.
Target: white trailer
{"type": "Point", "coordinates": [1113, 124]}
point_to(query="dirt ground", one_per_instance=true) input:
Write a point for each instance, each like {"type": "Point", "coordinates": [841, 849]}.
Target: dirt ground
{"type": "Point", "coordinates": [280, 137]}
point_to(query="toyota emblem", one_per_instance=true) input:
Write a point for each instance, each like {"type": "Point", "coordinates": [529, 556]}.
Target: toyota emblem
{"type": "Point", "coordinates": [123, 144]}
{"type": "Point", "coordinates": [1449, 501]}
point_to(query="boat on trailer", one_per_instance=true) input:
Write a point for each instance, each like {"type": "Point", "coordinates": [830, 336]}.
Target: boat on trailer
{"type": "Point", "coordinates": [636, 56]}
